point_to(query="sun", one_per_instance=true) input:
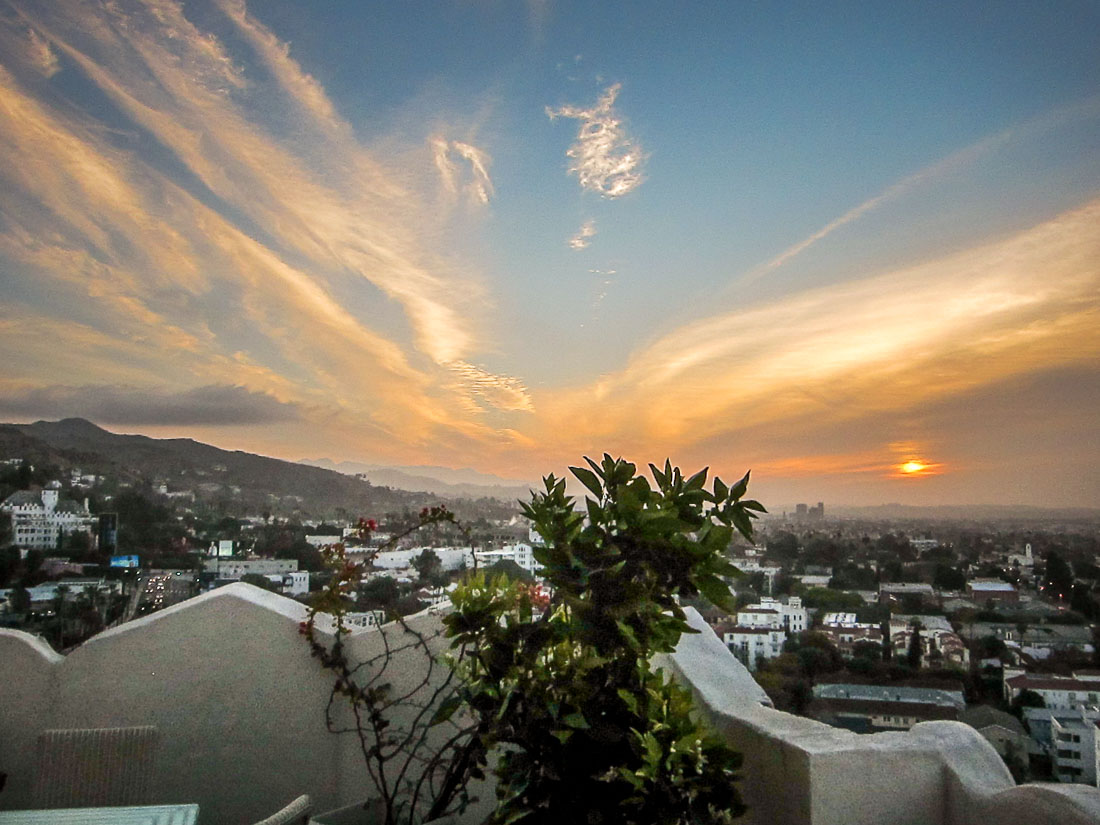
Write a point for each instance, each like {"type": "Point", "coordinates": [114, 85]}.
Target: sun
{"type": "Point", "coordinates": [911, 467]}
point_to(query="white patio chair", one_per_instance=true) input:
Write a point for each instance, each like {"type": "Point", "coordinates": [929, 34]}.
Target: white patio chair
{"type": "Point", "coordinates": [296, 813]}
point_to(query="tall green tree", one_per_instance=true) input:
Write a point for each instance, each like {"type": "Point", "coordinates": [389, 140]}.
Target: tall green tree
{"type": "Point", "coordinates": [427, 565]}
{"type": "Point", "coordinates": [915, 652]}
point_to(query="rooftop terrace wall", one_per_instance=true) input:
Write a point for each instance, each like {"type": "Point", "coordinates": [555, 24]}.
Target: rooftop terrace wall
{"type": "Point", "coordinates": [239, 705]}
{"type": "Point", "coordinates": [802, 772]}
{"type": "Point", "coordinates": [229, 683]}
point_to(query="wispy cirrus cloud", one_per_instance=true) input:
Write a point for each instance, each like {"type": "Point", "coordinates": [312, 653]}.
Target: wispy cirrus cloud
{"type": "Point", "coordinates": [40, 54]}
{"type": "Point", "coordinates": [605, 159]}
{"type": "Point", "coordinates": [584, 236]}
{"type": "Point", "coordinates": [882, 344]}
{"type": "Point", "coordinates": [253, 256]}
{"type": "Point", "coordinates": [477, 184]}
{"type": "Point", "coordinates": [501, 392]}
{"type": "Point", "coordinates": [941, 168]}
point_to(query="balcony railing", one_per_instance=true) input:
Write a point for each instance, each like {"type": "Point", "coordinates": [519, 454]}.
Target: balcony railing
{"type": "Point", "coordinates": [239, 708]}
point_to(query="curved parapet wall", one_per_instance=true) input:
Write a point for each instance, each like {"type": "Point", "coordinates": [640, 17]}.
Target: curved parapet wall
{"type": "Point", "coordinates": [802, 772]}
{"type": "Point", "coordinates": [228, 682]}
{"type": "Point", "coordinates": [239, 708]}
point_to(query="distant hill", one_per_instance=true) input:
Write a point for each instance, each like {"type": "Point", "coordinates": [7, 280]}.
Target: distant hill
{"type": "Point", "coordinates": [442, 481]}
{"type": "Point", "coordinates": [185, 464]}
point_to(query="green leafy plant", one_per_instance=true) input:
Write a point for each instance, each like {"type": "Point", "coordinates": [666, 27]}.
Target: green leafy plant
{"type": "Point", "coordinates": [587, 730]}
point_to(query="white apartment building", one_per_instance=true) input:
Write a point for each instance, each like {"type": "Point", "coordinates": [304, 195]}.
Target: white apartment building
{"type": "Point", "coordinates": [452, 558]}
{"type": "Point", "coordinates": [750, 644]}
{"type": "Point", "coordinates": [294, 583]}
{"type": "Point", "coordinates": [39, 518]}
{"type": "Point", "coordinates": [367, 620]}
{"type": "Point", "coordinates": [235, 568]}
{"type": "Point", "coordinates": [769, 612]}
{"type": "Point", "coordinates": [521, 554]}
{"type": "Point", "coordinates": [1072, 739]}
{"type": "Point", "coordinates": [1076, 752]}
{"type": "Point", "coordinates": [1058, 692]}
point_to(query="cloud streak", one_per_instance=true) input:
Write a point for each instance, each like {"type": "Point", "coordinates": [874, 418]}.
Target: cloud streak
{"type": "Point", "coordinates": [478, 185]}
{"type": "Point", "coordinates": [605, 159]}
{"type": "Point", "coordinates": [944, 167]}
{"type": "Point", "coordinates": [886, 343]}
{"type": "Point", "coordinates": [259, 259]}
{"type": "Point", "coordinates": [584, 236]}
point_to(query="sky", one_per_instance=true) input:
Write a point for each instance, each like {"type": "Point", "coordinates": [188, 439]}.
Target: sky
{"type": "Point", "coordinates": [853, 247]}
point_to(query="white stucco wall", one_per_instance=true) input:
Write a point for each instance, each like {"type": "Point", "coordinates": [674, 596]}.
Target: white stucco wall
{"type": "Point", "coordinates": [229, 683]}
{"type": "Point", "coordinates": [801, 772]}
{"type": "Point", "coordinates": [239, 705]}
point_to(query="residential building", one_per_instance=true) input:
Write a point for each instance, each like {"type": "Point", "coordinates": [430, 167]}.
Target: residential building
{"type": "Point", "coordinates": [751, 565]}
{"type": "Point", "coordinates": [984, 591]}
{"type": "Point", "coordinates": [366, 620]}
{"type": "Point", "coordinates": [1071, 738]}
{"type": "Point", "coordinates": [451, 558]}
{"type": "Point", "coordinates": [940, 645]}
{"type": "Point", "coordinates": [294, 583]}
{"type": "Point", "coordinates": [1058, 692]}
{"type": "Point", "coordinates": [751, 644]}
{"type": "Point", "coordinates": [845, 638]}
{"type": "Point", "coordinates": [520, 553]}
{"type": "Point", "coordinates": [875, 708]}
{"type": "Point", "coordinates": [39, 518]}
{"type": "Point", "coordinates": [323, 539]}
{"type": "Point", "coordinates": [769, 612]}
{"type": "Point", "coordinates": [233, 569]}
{"type": "Point", "coordinates": [895, 590]}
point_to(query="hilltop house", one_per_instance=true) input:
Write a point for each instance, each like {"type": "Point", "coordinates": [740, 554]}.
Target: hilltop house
{"type": "Point", "coordinates": [39, 518]}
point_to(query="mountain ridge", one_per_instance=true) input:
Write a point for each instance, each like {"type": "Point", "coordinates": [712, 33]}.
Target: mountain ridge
{"type": "Point", "coordinates": [256, 482]}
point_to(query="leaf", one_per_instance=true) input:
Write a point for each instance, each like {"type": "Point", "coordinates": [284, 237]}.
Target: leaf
{"type": "Point", "coordinates": [716, 590]}
{"type": "Point", "coordinates": [717, 538]}
{"type": "Point", "coordinates": [739, 489]}
{"type": "Point", "coordinates": [722, 567]}
{"type": "Point", "coordinates": [752, 504]}
{"type": "Point", "coordinates": [589, 480]}
{"type": "Point", "coordinates": [628, 634]}
{"type": "Point", "coordinates": [697, 481]}
{"type": "Point", "coordinates": [446, 709]}
{"type": "Point", "coordinates": [629, 699]}
{"type": "Point", "coordinates": [658, 476]}
{"type": "Point", "coordinates": [720, 489]}
{"type": "Point", "coordinates": [576, 721]}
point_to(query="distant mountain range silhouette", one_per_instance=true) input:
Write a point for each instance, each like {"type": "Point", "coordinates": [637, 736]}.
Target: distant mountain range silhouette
{"type": "Point", "coordinates": [183, 463]}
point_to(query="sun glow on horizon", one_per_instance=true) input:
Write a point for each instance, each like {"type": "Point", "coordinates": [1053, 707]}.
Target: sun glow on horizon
{"type": "Point", "coordinates": [916, 468]}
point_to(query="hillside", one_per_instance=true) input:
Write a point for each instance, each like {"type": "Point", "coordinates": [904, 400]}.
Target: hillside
{"type": "Point", "coordinates": [441, 481]}
{"type": "Point", "coordinates": [254, 482]}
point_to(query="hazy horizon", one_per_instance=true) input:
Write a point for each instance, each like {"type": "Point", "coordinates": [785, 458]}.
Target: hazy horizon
{"type": "Point", "coordinates": [855, 250]}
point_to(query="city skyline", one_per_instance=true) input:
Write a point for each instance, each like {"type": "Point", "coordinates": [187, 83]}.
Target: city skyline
{"type": "Point", "coordinates": [854, 249]}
